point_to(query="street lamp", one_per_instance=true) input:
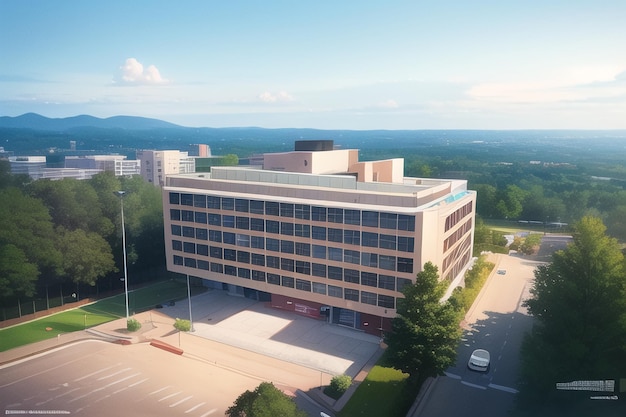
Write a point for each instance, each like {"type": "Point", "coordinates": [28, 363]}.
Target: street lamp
{"type": "Point", "coordinates": [121, 194]}
{"type": "Point", "coordinates": [191, 329]}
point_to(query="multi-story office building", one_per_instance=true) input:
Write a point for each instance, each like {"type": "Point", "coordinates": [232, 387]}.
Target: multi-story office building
{"type": "Point", "coordinates": [318, 232]}
{"type": "Point", "coordinates": [156, 165]}
{"type": "Point", "coordinates": [118, 164]}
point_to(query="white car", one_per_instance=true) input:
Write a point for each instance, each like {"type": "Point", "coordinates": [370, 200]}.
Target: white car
{"type": "Point", "coordinates": [479, 361]}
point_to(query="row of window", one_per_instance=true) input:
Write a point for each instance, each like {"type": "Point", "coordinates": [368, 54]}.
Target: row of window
{"type": "Point", "coordinates": [458, 234]}
{"type": "Point", "coordinates": [299, 211]}
{"type": "Point", "coordinates": [350, 237]}
{"type": "Point", "coordinates": [371, 259]}
{"type": "Point", "coordinates": [458, 215]}
{"type": "Point", "coordinates": [365, 297]}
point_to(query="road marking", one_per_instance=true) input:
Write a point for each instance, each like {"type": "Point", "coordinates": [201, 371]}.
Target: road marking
{"type": "Point", "coordinates": [195, 407]}
{"type": "Point", "coordinates": [169, 396]}
{"type": "Point", "coordinates": [94, 373]}
{"type": "Point", "coordinates": [503, 388]}
{"type": "Point", "coordinates": [208, 413]}
{"type": "Point", "coordinates": [469, 384]}
{"type": "Point", "coordinates": [137, 383]}
{"type": "Point", "coordinates": [159, 390]}
{"type": "Point", "coordinates": [180, 401]}
{"type": "Point", "coordinates": [114, 373]}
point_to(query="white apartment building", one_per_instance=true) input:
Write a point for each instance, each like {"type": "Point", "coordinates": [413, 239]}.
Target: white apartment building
{"type": "Point", "coordinates": [118, 164]}
{"type": "Point", "coordinates": [156, 165]}
{"type": "Point", "coordinates": [317, 232]}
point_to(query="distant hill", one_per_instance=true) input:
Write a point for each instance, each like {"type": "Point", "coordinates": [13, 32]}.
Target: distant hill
{"type": "Point", "coordinates": [38, 122]}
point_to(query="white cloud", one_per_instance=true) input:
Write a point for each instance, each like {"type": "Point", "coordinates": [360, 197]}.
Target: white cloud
{"type": "Point", "coordinates": [280, 97]}
{"type": "Point", "coordinates": [133, 72]}
{"type": "Point", "coordinates": [389, 104]}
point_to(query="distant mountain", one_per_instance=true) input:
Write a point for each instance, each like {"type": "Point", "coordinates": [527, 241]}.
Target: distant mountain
{"type": "Point", "coordinates": [38, 122]}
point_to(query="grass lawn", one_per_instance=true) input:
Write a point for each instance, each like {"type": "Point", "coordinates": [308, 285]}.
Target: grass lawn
{"type": "Point", "coordinates": [102, 311]}
{"type": "Point", "coordinates": [384, 392]}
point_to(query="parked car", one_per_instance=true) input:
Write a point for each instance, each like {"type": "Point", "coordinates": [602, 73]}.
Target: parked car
{"type": "Point", "coordinates": [479, 361]}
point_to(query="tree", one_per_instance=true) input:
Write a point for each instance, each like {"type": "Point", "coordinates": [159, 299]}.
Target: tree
{"type": "Point", "coordinates": [579, 305]}
{"type": "Point", "coordinates": [86, 256]}
{"type": "Point", "coordinates": [17, 275]}
{"type": "Point", "coordinates": [425, 333]}
{"type": "Point", "coordinates": [265, 401]}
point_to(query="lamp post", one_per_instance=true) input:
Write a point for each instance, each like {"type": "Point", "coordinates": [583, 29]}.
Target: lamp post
{"type": "Point", "coordinates": [189, 296]}
{"type": "Point", "coordinates": [121, 194]}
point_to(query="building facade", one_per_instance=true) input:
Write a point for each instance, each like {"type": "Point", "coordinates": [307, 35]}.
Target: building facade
{"type": "Point", "coordinates": [156, 165]}
{"type": "Point", "coordinates": [317, 232]}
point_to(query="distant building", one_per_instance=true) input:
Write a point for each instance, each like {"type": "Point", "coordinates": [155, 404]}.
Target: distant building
{"type": "Point", "coordinates": [318, 232]}
{"type": "Point", "coordinates": [155, 165]}
{"type": "Point", "coordinates": [29, 165]}
{"type": "Point", "coordinates": [118, 164]}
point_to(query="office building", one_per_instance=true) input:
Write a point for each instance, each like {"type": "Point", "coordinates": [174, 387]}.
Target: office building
{"type": "Point", "coordinates": [318, 232]}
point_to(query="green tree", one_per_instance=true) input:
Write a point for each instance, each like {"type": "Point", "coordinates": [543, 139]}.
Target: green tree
{"type": "Point", "coordinates": [18, 276]}
{"type": "Point", "coordinates": [509, 202]}
{"type": "Point", "coordinates": [425, 332]}
{"type": "Point", "coordinates": [579, 305]}
{"type": "Point", "coordinates": [229, 160]}
{"type": "Point", "coordinates": [86, 256]}
{"type": "Point", "coordinates": [265, 401]}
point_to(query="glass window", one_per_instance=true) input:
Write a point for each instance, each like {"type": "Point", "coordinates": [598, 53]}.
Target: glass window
{"type": "Point", "coordinates": [230, 254]}
{"type": "Point", "coordinates": [257, 207]}
{"type": "Point", "coordinates": [286, 210]}
{"type": "Point", "coordinates": [370, 218]}
{"type": "Point", "coordinates": [202, 234]}
{"type": "Point", "coordinates": [335, 272]}
{"type": "Point", "coordinates": [319, 270]}
{"type": "Point", "coordinates": [177, 230]}
{"type": "Point", "coordinates": [243, 257]}
{"type": "Point", "coordinates": [388, 242]}
{"type": "Point", "coordinates": [318, 232]}
{"type": "Point", "coordinates": [405, 264]}
{"type": "Point", "coordinates": [388, 221]}
{"type": "Point", "coordinates": [199, 201]}
{"type": "Point", "coordinates": [335, 235]}
{"type": "Point", "coordinates": [303, 284]}
{"type": "Point", "coordinates": [215, 267]}
{"type": "Point", "coordinates": [186, 215]}
{"type": "Point", "coordinates": [257, 242]}
{"type": "Point", "coordinates": [243, 223]}
{"type": "Point", "coordinates": [273, 279]}
{"type": "Point", "coordinates": [352, 237]}
{"type": "Point", "coordinates": [215, 235]}
{"type": "Point", "coordinates": [369, 279]}
{"type": "Point", "coordinates": [335, 215]}
{"type": "Point", "coordinates": [303, 230]}
{"type": "Point", "coordinates": [272, 226]}
{"type": "Point", "coordinates": [387, 262]}
{"type": "Point", "coordinates": [174, 198]}
{"type": "Point", "coordinates": [303, 267]}
{"type": "Point", "coordinates": [335, 254]}
{"type": "Point", "coordinates": [230, 270]}
{"type": "Point", "coordinates": [189, 231]}
{"type": "Point", "coordinates": [214, 202]}
{"type": "Point", "coordinates": [272, 244]}
{"type": "Point", "coordinates": [271, 208]}
{"type": "Point", "coordinates": [215, 219]}
{"type": "Point", "coordinates": [243, 273]}
{"type": "Point", "coordinates": [287, 246]}
{"type": "Point", "coordinates": [203, 265]}
{"type": "Point", "coordinates": [287, 281]}
{"type": "Point", "coordinates": [228, 203]}
{"type": "Point", "coordinates": [352, 295]}
{"type": "Point", "coordinates": [258, 259]}
{"type": "Point", "coordinates": [229, 238]}
{"type": "Point", "coordinates": [318, 214]}
{"type": "Point", "coordinates": [303, 211]}
{"type": "Point", "coordinates": [406, 244]}
{"type": "Point", "coordinates": [190, 262]}
{"type": "Point", "coordinates": [200, 217]}
{"type": "Point", "coordinates": [202, 250]}
{"type": "Point", "coordinates": [243, 240]}
{"type": "Point", "coordinates": [335, 291]}
{"type": "Point", "coordinates": [257, 224]}
{"type": "Point", "coordinates": [406, 222]}
{"type": "Point", "coordinates": [186, 199]}
{"type": "Point", "coordinates": [174, 214]}
{"type": "Point", "coordinates": [368, 298]}
{"type": "Point", "coordinates": [387, 282]}
{"type": "Point", "coordinates": [273, 262]}
{"type": "Point", "coordinates": [215, 252]}
{"type": "Point", "coordinates": [242, 205]}
{"type": "Point", "coordinates": [352, 256]}
{"type": "Point", "coordinates": [319, 252]}
{"type": "Point", "coordinates": [369, 259]}
{"type": "Point", "coordinates": [177, 245]}
{"type": "Point", "coordinates": [258, 275]}
{"type": "Point", "coordinates": [178, 260]}
{"type": "Point", "coordinates": [228, 221]}
{"type": "Point", "coordinates": [386, 301]}
{"type": "Point", "coordinates": [286, 229]}
{"type": "Point", "coordinates": [287, 264]}
{"type": "Point", "coordinates": [352, 217]}
{"type": "Point", "coordinates": [351, 275]}
{"type": "Point", "coordinates": [370, 239]}
{"type": "Point", "coordinates": [319, 288]}
{"type": "Point", "coordinates": [303, 249]}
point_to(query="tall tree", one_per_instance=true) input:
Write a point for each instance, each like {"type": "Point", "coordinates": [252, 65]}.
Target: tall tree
{"type": "Point", "coordinates": [86, 256]}
{"type": "Point", "coordinates": [425, 333]}
{"type": "Point", "coordinates": [265, 401]}
{"type": "Point", "coordinates": [579, 305]}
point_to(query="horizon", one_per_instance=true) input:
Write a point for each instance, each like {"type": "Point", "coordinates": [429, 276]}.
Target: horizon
{"type": "Point", "coordinates": [404, 65]}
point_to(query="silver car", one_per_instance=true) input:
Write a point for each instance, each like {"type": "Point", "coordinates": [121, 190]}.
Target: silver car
{"type": "Point", "coordinates": [479, 361]}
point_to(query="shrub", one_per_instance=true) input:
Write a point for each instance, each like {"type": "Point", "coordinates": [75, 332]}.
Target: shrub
{"type": "Point", "coordinates": [182, 325]}
{"type": "Point", "coordinates": [132, 325]}
{"type": "Point", "coordinates": [338, 385]}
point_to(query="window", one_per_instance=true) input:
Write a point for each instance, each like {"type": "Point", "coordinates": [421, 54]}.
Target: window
{"type": "Point", "coordinates": [352, 256]}
{"type": "Point", "coordinates": [335, 235]}
{"type": "Point", "coordinates": [243, 223]}
{"type": "Point", "coordinates": [334, 291]}
{"type": "Point", "coordinates": [352, 295]}
{"type": "Point", "coordinates": [387, 282]}
{"type": "Point", "coordinates": [302, 211]}
{"type": "Point", "coordinates": [215, 236]}
{"type": "Point", "coordinates": [257, 224]}
{"type": "Point", "coordinates": [352, 217]}
{"type": "Point", "coordinates": [319, 270]}
{"type": "Point", "coordinates": [405, 264]}
{"type": "Point", "coordinates": [303, 284]}
{"type": "Point", "coordinates": [202, 250]}
{"type": "Point", "coordinates": [406, 222]}
{"type": "Point", "coordinates": [370, 239]}
{"type": "Point", "coordinates": [369, 279]}
{"type": "Point", "coordinates": [271, 208]}
{"type": "Point", "coordinates": [303, 249]}
{"type": "Point", "coordinates": [258, 275]}
{"type": "Point", "coordinates": [242, 205]}
{"type": "Point", "coordinates": [318, 214]}
{"type": "Point", "coordinates": [352, 237]}
{"type": "Point", "coordinates": [287, 264]}
{"type": "Point", "coordinates": [369, 259]}
{"type": "Point", "coordinates": [174, 214]}
{"type": "Point", "coordinates": [303, 267]}
{"type": "Point", "coordinates": [370, 218]}
{"type": "Point", "coordinates": [287, 281]}
{"type": "Point", "coordinates": [272, 244]}
{"type": "Point", "coordinates": [388, 221]}
{"type": "Point", "coordinates": [186, 199]}
{"type": "Point", "coordinates": [388, 242]}
{"type": "Point", "coordinates": [318, 232]}
{"type": "Point", "coordinates": [387, 262]}
{"type": "Point", "coordinates": [186, 215]}
{"type": "Point", "coordinates": [177, 230]}
{"type": "Point", "coordinates": [215, 252]}
{"type": "Point", "coordinates": [189, 231]}
{"type": "Point", "coordinates": [273, 262]}
{"type": "Point", "coordinates": [215, 267]}
{"type": "Point", "coordinates": [257, 242]}
{"type": "Point", "coordinates": [202, 234]}
{"type": "Point", "coordinates": [257, 207]}
{"type": "Point", "coordinates": [174, 198]}
{"type": "Point", "coordinates": [178, 260]}
{"type": "Point", "coordinates": [203, 265]}
{"type": "Point", "coordinates": [406, 244]}
{"type": "Point", "coordinates": [319, 252]}
{"type": "Point", "coordinates": [199, 201]}
{"type": "Point", "coordinates": [230, 270]}
{"type": "Point", "coordinates": [215, 219]}
{"type": "Point", "coordinates": [335, 254]}
{"type": "Point", "coordinates": [273, 279]}
{"type": "Point", "coordinates": [243, 257]}
{"type": "Point", "coordinates": [272, 226]}
{"type": "Point", "coordinates": [243, 273]}
{"type": "Point", "coordinates": [302, 230]}
{"type": "Point", "coordinates": [230, 254]}
{"type": "Point", "coordinates": [200, 217]}
{"type": "Point", "coordinates": [258, 259]}
{"type": "Point", "coordinates": [286, 229]}
{"type": "Point", "coordinates": [286, 246]}
{"type": "Point", "coordinates": [286, 210]}
{"type": "Point", "coordinates": [319, 288]}
{"type": "Point", "coordinates": [334, 272]}
{"type": "Point", "coordinates": [177, 245]}
{"type": "Point", "coordinates": [228, 221]}
{"type": "Point", "coordinates": [228, 203]}
{"type": "Point", "coordinates": [190, 262]}
{"type": "Point", "coordinates": [368, 298]}
{"type": "Point", "coordinates": [386, 301]}
{"type": "Point", "coordinates": [229, 238]}
{"type": "Point", "coordinates": [243, 240]}
{"type": "Point", "coordinates": [351, 275]}
{"type": "Point", "coordinates": [214, 202]}
{"type": "Point", "coordinates": [335, 215]}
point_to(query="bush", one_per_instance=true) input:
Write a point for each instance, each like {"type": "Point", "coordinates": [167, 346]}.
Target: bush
{"type": "Point", "coordinates": [338, 385]}
{"type": "Point", "coordinates": [132, 325]}
{"type": "Point", "coordinates": [182, 325]}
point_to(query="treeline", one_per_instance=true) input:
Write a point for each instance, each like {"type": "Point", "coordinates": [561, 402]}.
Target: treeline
{"type": "Point", "coordinates": [67, 233]}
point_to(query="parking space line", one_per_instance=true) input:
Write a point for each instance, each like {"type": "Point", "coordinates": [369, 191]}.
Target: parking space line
{"type": "Point", "coordinates": [208, 413]}
{"type": "Point", "coordinates": [114, 373]}
{"type": "Point", "coordinates": [95, 373]}
{"type": "Point", "coordinates": [195, 407]}
{"type": "Point", "coordinates": [169, 396]}
{"type": "Point", "coordinates": [180, 401]}
{"type": "Point", "coordinates": [159, 390]}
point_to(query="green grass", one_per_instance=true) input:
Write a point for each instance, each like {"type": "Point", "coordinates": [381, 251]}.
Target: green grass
{"type": "Point", "coordinates": [384, 392]}
{"type": "Point", "coordinates": [102, 311]}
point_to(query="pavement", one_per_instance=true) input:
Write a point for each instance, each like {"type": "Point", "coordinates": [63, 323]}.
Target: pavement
{"type": "Point", "coordinates": [242, 323]}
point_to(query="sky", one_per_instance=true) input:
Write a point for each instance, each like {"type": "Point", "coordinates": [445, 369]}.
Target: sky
{"type": "Point", "coordinates": [415, 64]}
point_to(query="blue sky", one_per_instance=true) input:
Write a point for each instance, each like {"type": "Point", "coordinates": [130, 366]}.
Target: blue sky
{"type": "Point", "coordinates": [467, 64]}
